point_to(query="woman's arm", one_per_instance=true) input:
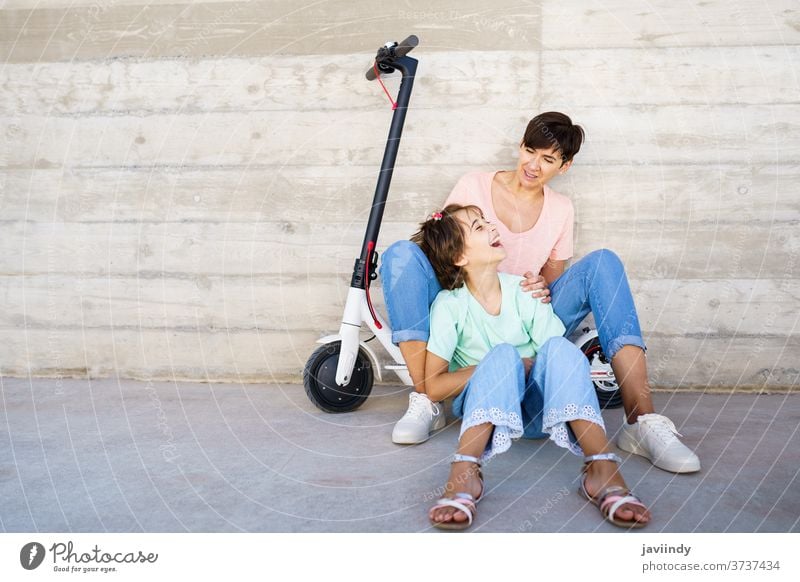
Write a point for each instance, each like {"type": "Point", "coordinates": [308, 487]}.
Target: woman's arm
{"type": "Point", "coordinates": [552, 270]}
{"type": "Point", "coordinates": [441, 384]}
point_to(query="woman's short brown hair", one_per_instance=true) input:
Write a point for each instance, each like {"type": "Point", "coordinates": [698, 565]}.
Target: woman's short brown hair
{"type": "Point", "coordinates": [554, 130]}
{"type": "Point", "coordinates": [441, 238]}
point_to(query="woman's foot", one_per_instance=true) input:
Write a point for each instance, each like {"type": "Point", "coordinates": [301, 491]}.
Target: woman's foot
{"type": "Point", "coordinates": [465, 477]}
{"type": "Point", "coordinates": [655, 437]}
{"type": "Point", "coordinates": [599, 476]}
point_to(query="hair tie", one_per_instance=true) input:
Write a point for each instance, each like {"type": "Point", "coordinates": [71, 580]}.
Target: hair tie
{"type": "Point", "coordinates": [436, 216]}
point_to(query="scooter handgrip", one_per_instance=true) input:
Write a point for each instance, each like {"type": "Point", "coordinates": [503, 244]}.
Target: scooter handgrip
{"type": "Point", "coordinates": [405, 47]}
{"type": "Point", "coordinates": [371, 76]}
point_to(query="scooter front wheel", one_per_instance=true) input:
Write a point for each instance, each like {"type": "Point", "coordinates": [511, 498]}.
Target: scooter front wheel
{"type": "Point", "coordinates": [319, 380]}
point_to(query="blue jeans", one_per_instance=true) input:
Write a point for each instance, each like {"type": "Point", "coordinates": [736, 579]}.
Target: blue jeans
{"type": "Point", "coordinates": [596, 283]}
{"type": "Point", "coordinates": [556, 391]}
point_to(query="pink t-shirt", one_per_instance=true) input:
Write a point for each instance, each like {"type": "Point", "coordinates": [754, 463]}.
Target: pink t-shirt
{"type": "Point", "coordinates": [550, 237]}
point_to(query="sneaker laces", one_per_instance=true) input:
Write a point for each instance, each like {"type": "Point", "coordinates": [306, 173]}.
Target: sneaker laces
{"type": "Point", "coordinates": [419, 405]}
{"type": "Point", "coordinates": [661, 426]}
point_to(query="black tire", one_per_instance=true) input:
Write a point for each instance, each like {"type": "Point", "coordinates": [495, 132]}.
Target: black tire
{"type": "Point", "coordinates": [319, 379]}
{"type": "Point", "coordinates": [608, 393]}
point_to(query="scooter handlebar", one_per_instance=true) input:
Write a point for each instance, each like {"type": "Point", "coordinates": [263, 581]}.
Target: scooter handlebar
{"type": "Point", "coordinates": [386, 54]}
{"type": "Point", "coordinates": [405, 47]}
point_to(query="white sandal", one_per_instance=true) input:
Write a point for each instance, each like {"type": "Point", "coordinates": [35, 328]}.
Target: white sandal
{"type": "Point", "coordinates": [463, 502]}
{"type": "Point", "coordinates": [610, 499]}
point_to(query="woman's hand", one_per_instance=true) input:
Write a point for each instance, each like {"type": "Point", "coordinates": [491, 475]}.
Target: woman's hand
{"type": "Point", "coordinates": [537, 286]}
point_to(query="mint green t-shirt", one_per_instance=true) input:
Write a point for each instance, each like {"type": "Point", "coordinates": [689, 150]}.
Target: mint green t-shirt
{"type": "Point", "coordinates": [462, 332]}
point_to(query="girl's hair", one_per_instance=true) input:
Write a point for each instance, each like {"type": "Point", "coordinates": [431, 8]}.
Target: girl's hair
{"type": "Point", "coordinates": [554, 130]}
{"type": "Point", "coordinates": [441, 238]}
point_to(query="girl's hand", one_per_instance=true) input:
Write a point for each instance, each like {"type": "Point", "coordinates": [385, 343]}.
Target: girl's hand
{"type": "Point", "coordinates": [537, 286]}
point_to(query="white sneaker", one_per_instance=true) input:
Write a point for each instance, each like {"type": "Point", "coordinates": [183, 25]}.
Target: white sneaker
{"type": "Point", "coordinates": [421, 418]}
{"type": "Point", "coordinates": [654, 436]}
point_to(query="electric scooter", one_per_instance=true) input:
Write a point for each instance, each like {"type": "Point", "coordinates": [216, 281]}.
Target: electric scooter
{"type": "Point", "coordinates": [339, 375]}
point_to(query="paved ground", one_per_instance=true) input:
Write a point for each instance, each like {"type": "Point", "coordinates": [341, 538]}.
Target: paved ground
{"type": "Point", "coordinates": [126, 456]}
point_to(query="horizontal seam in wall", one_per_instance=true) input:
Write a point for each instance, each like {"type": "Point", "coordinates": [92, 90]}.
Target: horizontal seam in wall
{"type": "Point", "coordinates": [787, 339]}
{"type": "Point", "coordinates": [418, 53]}
{"type": "Point", "coordinates": [660, 163]}
{"type": "Point", "coordinates": [369, 169]}
{"type": "Point", "coordinates": [194, 111]}
{"type": "Point", "coordinates": [632, 223]}
{"type": "Point", "coordinates": [369, 108]}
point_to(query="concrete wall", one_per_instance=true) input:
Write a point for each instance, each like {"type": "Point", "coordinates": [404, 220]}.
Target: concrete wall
{"type": "Point", "coordinates": [184, 185]}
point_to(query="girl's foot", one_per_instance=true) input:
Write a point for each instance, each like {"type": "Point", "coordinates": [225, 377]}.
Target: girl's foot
{"type": "Point", "coordinates": [600, 475]}
{"type": "Point", "coordinates": [465, 477]}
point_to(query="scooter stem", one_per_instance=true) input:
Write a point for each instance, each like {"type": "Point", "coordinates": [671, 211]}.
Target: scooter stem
{"type": "Point", "coordinates": [357, 305]}
{"type": "Point", "coordinates": [408, 67]}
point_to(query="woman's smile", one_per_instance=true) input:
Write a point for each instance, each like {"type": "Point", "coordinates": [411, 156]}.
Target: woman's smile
{"type": "Point", "coordinates": [530, 175]}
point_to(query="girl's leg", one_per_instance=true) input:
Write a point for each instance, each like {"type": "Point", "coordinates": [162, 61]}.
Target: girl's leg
{"type": "Point", "coordinates": [409, 288]}
{"type": "Point", "coordinates": [494, 394]}
{"type": "Point", "coordinates": [603, 474]}
{"type": "Point", "coordinates": [464, 476]}
{"type": "Point", "coordinates": [492, 417]}
{"type": "Point", "coordinates": [559, 391]}
{"type": "Point", "coordinates": [560, 401]}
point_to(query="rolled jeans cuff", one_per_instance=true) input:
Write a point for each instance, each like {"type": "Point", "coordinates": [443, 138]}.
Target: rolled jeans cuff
{"type": "Point", "coordinates": [617, 343]}
{"type": "Point", "coordinates": [410, 335]}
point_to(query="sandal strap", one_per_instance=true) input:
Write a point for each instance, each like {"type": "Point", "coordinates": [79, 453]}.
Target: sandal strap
{"type": "Point", "coordinates": [457, 458]}
{"type": "Point", "coordinates": [619, 501]}
{"type": "Point", "coordinates": [611, 491]}
{"type": "Point", "coordinates": [603, 457]}
{"type": "Point", "coordinates": [446, 502]}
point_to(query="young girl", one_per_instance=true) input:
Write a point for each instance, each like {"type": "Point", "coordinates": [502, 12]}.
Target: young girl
{"type": "Point", "coordinates": [502, 354]}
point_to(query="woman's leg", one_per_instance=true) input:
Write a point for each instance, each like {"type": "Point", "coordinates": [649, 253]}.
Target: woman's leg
{"type": "Point", "coordinates": [492, 417]}
{"type": "Point", "coordinates": [409, 288]}
{"type": "Point", "coordinates": [598, 283]}
{"type": "Point", "coordinates": [630, 370]}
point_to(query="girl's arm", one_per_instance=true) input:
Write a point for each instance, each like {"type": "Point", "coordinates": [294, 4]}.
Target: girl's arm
{"type": "Point", "coordinates": [441, 384]}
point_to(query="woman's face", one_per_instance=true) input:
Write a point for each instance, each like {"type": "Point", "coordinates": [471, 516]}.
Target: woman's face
{"type": "Point", "coordinates": [536, 167]}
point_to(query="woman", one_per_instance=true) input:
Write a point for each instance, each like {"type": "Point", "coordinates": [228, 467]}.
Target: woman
{"type": "Point", "coordinates": [536, 225]}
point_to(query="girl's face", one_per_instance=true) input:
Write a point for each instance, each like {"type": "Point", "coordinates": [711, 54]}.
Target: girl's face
{"type": "Point", "coordinates": [536, 167]}
{"type": "Point", "coordinates": [482, 244]}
